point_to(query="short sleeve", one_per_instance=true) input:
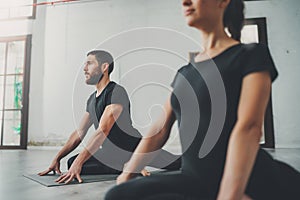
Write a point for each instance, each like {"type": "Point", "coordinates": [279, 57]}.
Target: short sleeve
{"type": "Point", "coordinates": [258, 58]}
{"type": "Point", "coordinates": [175, 80]}
{"type": "Point", "coordinates": [88, 104]}
{"type": "Point", "coordinates": [118, 95]}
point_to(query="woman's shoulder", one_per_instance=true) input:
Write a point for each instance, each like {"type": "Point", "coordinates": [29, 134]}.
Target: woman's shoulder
{"type": "Point", "coordinates": [252, 51]}
{"type": "Point", "coordinates": [250, 47]}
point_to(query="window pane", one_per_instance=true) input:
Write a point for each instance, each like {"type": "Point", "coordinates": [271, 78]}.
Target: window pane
{"type": "Point", "coordinates": [250, 34]}
{"type": "Point", "coordinates": [15, 8]}
{"type": "Point", "coordinates": [21, 11]}
{"type": "Point", "coordinates": [2, 57]}
{"type": "Point", "coordinates": [4, 13]}
{"type": "Point", "coordinates": [12, 128]}
{"type": "Point", "coordinates": [13, 92]}
{"type": "Point", "coordinates": [0, 125]}
{"type": "Point", "coordinates": [15, 57]}
{"type": "Point", "coordinates": [1, 91]}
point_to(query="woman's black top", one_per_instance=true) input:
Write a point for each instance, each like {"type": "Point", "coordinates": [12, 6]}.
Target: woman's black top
{"type": "Point", "coordinates": [205, 97]}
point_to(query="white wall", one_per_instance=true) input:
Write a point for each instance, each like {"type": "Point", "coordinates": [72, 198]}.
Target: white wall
{"type": "Point", "coordinates": [63, 34]}
{"type": "Point", "coordinates": [283, 33]}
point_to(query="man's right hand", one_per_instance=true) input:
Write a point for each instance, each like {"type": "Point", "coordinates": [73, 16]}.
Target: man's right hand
{"type": "Point", "coordinates": [55, 167]}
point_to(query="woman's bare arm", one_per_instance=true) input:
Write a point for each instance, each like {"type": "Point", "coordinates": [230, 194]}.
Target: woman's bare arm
{"type": "Point", "coordinates": [154, 140]}
{"type": "Point", "coordinates": [244, 140]}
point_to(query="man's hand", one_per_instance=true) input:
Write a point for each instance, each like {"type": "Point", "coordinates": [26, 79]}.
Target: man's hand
{"type": "Point", "coordinates": [74, 172]}
{"type": "Point", "coordinates": [55, 167]}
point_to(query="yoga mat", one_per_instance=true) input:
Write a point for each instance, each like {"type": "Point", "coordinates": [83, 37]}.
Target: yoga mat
{"type": "Point", "coordinates": [49, 180]}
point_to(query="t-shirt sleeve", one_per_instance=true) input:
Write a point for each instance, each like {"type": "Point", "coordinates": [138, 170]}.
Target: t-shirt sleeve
{"type": "Point", "coordinates": [174, 80]}
{"type": "Point", "coordinates": [118, 95]}
{"type": "Point", "coordinates": [257, 59]}
{"type": "Point", "coordinates": [177, 75]}
{"type": "Point", "coordinates": [87, 104]}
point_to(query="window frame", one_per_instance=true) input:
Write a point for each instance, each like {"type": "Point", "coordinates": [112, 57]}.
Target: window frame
{"type": "Point", "coordinates": [32, 16]}
{"type": "Point", "coordinates": [25, 92]}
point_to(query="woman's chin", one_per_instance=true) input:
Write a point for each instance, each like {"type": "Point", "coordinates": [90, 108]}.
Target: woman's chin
{"type": "Point", "coordinates": [190, 22]}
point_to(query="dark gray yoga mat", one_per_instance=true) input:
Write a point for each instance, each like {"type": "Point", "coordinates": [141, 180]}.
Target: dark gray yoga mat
{"type": "Point", "coordinates": [49, 180]}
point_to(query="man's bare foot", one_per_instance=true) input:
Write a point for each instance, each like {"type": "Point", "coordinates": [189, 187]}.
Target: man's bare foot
{"type": "Point", "coordinates": [144, 172]}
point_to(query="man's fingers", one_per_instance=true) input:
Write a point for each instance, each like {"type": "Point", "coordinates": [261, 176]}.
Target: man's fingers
{"type": "Point", "coordinates": [44, 172]}
{"type": "Point", "coordinates": [63, 179]}
{"type": "Point", "coordinates": [60, 178]}
{"type": "Point", "coordinates": [79, 178]}
{"type": "Point", "coordinates": [70, 179]}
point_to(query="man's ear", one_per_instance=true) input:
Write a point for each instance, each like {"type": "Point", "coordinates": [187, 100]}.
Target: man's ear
{"type": "Point", "coordinates": [224, 3]}
{"type": "Point", "coordinates": [105, 67]}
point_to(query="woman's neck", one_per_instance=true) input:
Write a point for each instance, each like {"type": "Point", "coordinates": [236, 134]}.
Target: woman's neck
{"type": "Point", "coordinates": [215, 39]}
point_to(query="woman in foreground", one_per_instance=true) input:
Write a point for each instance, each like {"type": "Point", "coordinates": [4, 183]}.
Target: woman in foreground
{"type": "Point", "coordinates": [236, 167]}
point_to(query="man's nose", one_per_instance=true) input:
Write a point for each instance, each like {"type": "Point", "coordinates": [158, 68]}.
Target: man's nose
{"type": "Point", "coordinates": [85, 68]}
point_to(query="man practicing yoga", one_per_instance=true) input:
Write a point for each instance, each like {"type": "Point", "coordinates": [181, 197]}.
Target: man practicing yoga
{"type": "Point", "coordinates": [108, 108]}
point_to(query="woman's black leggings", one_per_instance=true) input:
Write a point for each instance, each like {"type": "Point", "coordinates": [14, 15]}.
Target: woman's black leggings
{"type": "Point", "coordinates": [276, 181]}
{"type": "Point", "coordinates": [94, 166]}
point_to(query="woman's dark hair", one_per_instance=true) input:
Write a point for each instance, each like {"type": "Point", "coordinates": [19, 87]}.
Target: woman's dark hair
{"type": "Point", "coordinates": [234, 18]}
{"type": "Point", "coordinates": [103, 57]}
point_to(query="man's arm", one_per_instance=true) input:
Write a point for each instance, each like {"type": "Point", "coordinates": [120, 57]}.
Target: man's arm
{"type": "Point", "coordinates": [74, 140]}
{"type": "Point", "coordinates": [110, 115]}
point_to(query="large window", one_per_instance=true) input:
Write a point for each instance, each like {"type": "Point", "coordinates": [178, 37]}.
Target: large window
{"type": "Point", "coordinates": [16, 9]}
{"type": "Point", "coordinates": [14, 83]}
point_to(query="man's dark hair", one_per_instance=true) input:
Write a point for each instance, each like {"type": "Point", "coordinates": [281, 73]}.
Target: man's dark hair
{"type": "Point", "coordinates": [103, 57]}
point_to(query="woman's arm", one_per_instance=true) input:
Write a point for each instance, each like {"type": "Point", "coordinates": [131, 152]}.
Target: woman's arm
{"type": "Point", "coordinates": [155, 139]}
{"type": "Point", "coordinates": [244, 140]}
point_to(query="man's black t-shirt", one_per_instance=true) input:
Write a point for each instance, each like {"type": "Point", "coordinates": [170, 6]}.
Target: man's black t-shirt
{"type": "Point", "coordinates": [191, 94]}
{"type": "Point", "coordinates": [122, 134]}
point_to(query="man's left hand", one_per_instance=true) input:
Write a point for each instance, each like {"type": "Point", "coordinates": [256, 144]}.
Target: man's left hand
{"type": "Point", "coordinates": [74, 172]}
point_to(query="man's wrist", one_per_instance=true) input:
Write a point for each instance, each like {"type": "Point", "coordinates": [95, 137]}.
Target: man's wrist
{"type": "Point", "coordinates": [57, 158]}
{"type": "Point", "coordinates": [78, 161]}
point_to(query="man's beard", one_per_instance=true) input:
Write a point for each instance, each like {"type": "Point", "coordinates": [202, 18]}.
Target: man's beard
{"type": "Point", "coordinates": [95, 79]}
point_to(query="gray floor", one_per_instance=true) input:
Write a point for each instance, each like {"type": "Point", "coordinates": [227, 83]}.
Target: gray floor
{"type": "Point", "coordinates": [14, 163]}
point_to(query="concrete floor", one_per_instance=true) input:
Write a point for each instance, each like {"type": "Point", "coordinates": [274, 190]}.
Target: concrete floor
{"type": "Point", "coordinates": [14, 163]}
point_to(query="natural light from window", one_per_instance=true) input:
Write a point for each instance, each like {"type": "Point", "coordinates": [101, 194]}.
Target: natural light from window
{"type": "Point", "coordinates": [10, 9]}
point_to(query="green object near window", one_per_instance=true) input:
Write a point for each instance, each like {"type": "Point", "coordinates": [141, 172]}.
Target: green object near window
{"type": "Point", "coordinates": [18, 88]}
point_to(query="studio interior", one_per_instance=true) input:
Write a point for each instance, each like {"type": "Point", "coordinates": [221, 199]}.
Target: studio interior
{"type": "Point", "coordinates": [149, 99]}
